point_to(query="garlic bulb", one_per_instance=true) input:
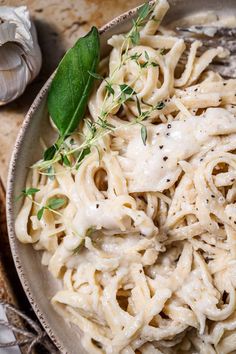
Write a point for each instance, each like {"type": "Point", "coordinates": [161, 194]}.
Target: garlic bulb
{"type": "Point", "coordinates": [20, 55]}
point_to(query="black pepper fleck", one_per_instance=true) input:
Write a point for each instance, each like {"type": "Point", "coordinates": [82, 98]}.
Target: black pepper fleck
{"type": "Point", "coordinates": [212, 196]}
{"type": "Point", "coordinates": [167, 134]}
{"type": "Point", "coordinates": [161, 146]}
{"type": "Point", "coordinates": [97, 205]}
{"type": "Point", "coordinates": [168, 126]}
{"type": "Point", "coordinates": [165, 158]}
{"type": "Point", "coordinates": [168, 180]}
{"type": "Point", "coordinates": [196, 89]}
{"type": "Point", "coordinates": [224, 83]}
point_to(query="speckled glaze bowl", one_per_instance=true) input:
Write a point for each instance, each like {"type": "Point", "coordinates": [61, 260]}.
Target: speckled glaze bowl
{"type": "Point", "coordinates": [38, 284]}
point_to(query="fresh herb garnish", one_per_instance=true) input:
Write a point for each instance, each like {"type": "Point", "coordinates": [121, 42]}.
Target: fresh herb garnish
{"type": "Point", "coordinates": [29, 192]}
{"type": "Point", "coordinates": [65, 161]}
{"type": "Point", "coordinates": [143, 13]}
{"type": "Point", "coordinates": [67, 120]}
{"type": "Point", "coordinates": [89, 233]}
{"type": "Point", "coordinates": [50, 173]}
{"type": "Point", "coordinates": [50, 152]}
{"type": "Point", "coordinates": [109, 88]}
{"type": "Point", "coordinates": [146, 55]}
{"type": "Point", "coordinates": [71, 86]}
{"type": "Point", "coordinates": [52, 205]}
{"type": "Point", "coordinates": [127, 89]}
{"type": "Point", "coordinates": [144, 134]}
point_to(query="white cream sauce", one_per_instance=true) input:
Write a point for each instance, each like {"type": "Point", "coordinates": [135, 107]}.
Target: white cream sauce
{"type": "Point", "coordinates": [155, 167]}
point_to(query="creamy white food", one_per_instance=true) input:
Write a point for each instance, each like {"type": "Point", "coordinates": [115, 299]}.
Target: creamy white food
{"type": "Point", "coordinates": [145, 245]}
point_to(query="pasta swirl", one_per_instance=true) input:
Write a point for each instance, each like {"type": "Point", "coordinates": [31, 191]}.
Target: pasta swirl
{"type": "Point", "coordinates": [145, 243]}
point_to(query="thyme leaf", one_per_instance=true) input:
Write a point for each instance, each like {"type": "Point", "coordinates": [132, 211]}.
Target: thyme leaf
{"type": "Point", "coordinates": [50, 152]}
{"type": "Point", "coordinates": [82, 155]}
{"type": "Point", "coordinates": [109, 88]}
{"type": "Point", "coordinates": [126, 89]}
{"type": "Point", "coordinates": [144, 134]}
{"type": "Point", "coordinates": [65, 160]}
{"type": "Point", "coordinates": [27, 193]}
{"type": "Point", "coordinates": [40, 213]}
{"type": "Point", "coordinates": [55, 203]}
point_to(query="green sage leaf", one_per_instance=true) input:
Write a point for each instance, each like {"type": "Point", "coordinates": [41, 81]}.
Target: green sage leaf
{"type": "Point", "coordinates": [70, 89]}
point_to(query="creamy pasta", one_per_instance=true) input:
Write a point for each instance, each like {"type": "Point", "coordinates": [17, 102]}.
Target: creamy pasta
{"type": "Point", "coordinates": [145, 243]}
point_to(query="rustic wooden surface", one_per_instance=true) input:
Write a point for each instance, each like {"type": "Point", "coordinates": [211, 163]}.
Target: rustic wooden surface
{"type": "Point", "coordinates": [59, 23]}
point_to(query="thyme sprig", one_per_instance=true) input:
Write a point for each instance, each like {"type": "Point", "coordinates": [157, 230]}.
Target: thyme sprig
{"type": "Point", "coordinates": [115, 96]}
{"type": "Point", "coordinates": [53, 204]}
{"type": "Point", "coordinates": [143, 13]}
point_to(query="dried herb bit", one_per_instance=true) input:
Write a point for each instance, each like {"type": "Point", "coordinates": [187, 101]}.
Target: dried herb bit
{"type": "Point", "coordinates": [27, 193]}
{"type": "Point", "coordinates": [162, 51]}
{"type": "Point", "coordinates": [160, 106]}
{"type": "Point", "coordinates": [144, 134]}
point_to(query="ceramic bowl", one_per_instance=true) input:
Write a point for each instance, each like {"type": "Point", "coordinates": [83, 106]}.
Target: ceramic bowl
{"type": "Point", "coordinates": [38, 284]}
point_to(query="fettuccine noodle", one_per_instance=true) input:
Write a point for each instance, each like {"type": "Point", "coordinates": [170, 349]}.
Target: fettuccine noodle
{"type": "Point", "coordinates": [145, 244]}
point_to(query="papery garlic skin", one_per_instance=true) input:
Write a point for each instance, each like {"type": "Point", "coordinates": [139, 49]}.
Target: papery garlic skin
{"type": "Point", "coordinates": [20, 55]}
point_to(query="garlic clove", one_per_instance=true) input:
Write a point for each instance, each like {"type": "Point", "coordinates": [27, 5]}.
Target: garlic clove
{"type": "Point", "coordinates": [20, 55]}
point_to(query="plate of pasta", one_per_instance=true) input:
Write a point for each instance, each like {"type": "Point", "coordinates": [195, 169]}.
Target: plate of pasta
{"type": "Point", "coordinates": [122, 218]}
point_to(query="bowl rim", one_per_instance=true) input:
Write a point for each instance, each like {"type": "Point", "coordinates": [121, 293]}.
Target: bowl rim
{"type": "Point", "coordinates": [11, 181]}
